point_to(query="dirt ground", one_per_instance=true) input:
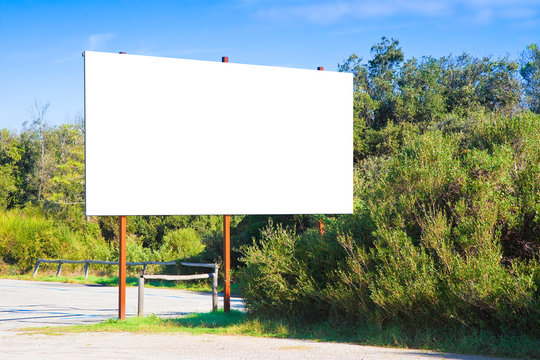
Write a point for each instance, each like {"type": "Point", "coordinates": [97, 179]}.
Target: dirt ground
{"type": "Point", "coordinates": [15, 345]}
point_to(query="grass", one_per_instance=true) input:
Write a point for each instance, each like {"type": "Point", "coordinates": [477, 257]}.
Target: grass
{"type": "Point", "coordinates": [203, 285]}
{"type": "Point", "coordinates": [465, 341]}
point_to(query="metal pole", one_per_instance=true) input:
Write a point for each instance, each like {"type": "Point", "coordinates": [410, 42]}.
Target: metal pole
{"type": "Point", "coordinates": [36, 269]}
{"type": "Point", "coordinates": [321, 224]}
{"type": "Point", "coordinates": [122, 263]}
{"type": "Point", "coordinates": [226, 251]}
{"type": "Point", "coordinates": [321, 228]}
{"type": "Point", "coordinates": [86, 271]}
{"type": "Point", "coordinates": [226, 263]}
{"type": "Point", "coordinates": [122, 268]}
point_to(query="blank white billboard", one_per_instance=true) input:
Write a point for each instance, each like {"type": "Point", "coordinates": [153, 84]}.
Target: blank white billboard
{"type": "Point", "coordinates": [184, 137]}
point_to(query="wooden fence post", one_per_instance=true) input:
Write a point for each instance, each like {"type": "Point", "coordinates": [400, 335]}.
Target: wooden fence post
{"type": "Point", "coordinates": [214, 289]}
{"type": "Point", "coordinates": [140, 311]}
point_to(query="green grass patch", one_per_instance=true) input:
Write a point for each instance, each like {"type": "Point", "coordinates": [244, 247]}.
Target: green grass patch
{"type": "Point", "coordinates": [464, 341]}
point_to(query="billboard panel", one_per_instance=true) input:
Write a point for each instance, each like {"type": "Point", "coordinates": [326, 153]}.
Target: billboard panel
{"type": "Point", "coordinates": [184, 137]}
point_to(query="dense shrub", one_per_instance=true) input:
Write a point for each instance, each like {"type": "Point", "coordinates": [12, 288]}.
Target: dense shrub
{"type": "Point", "coordinates": [181, 244]}
{"type": "Point", "coordinates": [445, 232]}
{"type": "Point", "coordinates": [26, 235]}
{"type": "Point", "coordinates": [274, 281]}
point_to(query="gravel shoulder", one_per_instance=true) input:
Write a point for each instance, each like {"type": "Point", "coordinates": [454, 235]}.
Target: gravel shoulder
{"type": "Point", "coordinates": [16, 345]}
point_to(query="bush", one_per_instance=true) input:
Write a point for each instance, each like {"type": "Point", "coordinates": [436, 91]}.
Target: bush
{"type": "Point", "coordinates": [445, 233]}
{"type": "Point", "coordinates": [273, 281]}
{"type": "Point", "coordinates": [26, 235]}
{"type": "Point", "coordinates": [180, 244]}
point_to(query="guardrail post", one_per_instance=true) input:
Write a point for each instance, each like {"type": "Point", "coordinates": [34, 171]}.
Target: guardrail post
{"type": "Point", "coordinates": [214, 289]}
{"type": "Point", "coordinates": [144, 269]}
{"type": "Point", "coordinates": [59, 268]}
{"type": "Point", "coordinates": [36, 269]}
{"type": "Point", "coordinates": [140, 311]}
{"type": "Point", "coordinates": [86, 271]}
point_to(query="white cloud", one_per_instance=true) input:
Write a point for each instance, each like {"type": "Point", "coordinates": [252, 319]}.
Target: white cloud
{"type": "Point", "coordinates": [96, 41]}
{"type": "Point", "coordinates": [326, 12]}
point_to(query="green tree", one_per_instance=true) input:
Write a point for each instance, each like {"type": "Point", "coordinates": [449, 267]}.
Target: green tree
{"type": "Point", "coordinates": [530, 71]}
{"type": "Point", "coordinates": [383, 71]}
{"type": "Point", "coordinates": [10, 156]}
{"type": "Point", "coordinates": [65, 186]}
{"type": "Point", "coordinates": [39, 129]}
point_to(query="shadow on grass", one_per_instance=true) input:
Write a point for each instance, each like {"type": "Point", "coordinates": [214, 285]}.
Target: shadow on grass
{"type": "Point", "coordinates": [456, 340]}
{"type": "Point", "coordinates": [211, 320]}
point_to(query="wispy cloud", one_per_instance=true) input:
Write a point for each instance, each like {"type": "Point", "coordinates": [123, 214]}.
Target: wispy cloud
{"type": "Point", "coordinates": [93, 42]}
{"type": "Point", "coordinates": [370, 28]}
{"type": "Point", "coordinates": [97, 41]}
{"type": "Point", "coordinates": [328, 12]}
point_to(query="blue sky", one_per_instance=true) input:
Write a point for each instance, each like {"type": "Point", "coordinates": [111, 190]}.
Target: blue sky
{"type": "Point", "coordinates": [41, 41]}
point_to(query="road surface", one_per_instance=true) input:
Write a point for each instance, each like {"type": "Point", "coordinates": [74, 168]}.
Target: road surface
{"type": "Point", "coordinates": [35, 303]}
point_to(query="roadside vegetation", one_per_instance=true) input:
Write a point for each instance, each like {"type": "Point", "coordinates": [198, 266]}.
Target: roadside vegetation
{"type": "Point", "coordinates": [443, 247]}
{"type": "Point", "coordinates": [457, 340]}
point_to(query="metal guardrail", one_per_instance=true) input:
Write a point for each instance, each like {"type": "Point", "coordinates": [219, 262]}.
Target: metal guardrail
{"type": "Point", "coordinates": [213, 275]}
{"type": "Point", "coordinates": [87, 263]}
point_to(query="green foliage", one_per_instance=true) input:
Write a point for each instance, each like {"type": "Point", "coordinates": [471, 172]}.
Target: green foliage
{"type": "Point", "coordinates": [181, 244]}
{"type": "Point", "coordinates": [7, 185]}
{"type": "Point", "coordinates": [28, 235]}
{"type": "Point", "coordinates": [273, 281]}
{"type": "Point", "coordinates": [445, 233]}
{"type": "Point", "coordinates": [425, 90]}
{"type": "Point", "coordinates": [530, 71]}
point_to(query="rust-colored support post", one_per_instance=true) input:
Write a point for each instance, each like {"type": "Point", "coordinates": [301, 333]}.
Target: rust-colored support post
{"type": "Point", "coordinates": [321, 224]}
{"type": "Point", "coordinates": [321, 227]}
{"type": "Point", "coordinates": [122, 268]}
{"type": "Point", "coordinates": [226, 251]}
{"type": "Point", "coordinates": [122, 230]}
{"type": "Point", "coordinates": [226, 263]}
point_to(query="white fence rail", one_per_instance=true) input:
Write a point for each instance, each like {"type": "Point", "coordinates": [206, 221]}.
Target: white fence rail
{"type": "Point", "coordinates": [213, 276]}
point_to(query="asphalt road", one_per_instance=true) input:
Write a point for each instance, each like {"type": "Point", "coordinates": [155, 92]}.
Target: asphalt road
{"type": "Point", "coordinates": [35, 303]}
{"type": "Point", "coordinates": [31, 304]}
